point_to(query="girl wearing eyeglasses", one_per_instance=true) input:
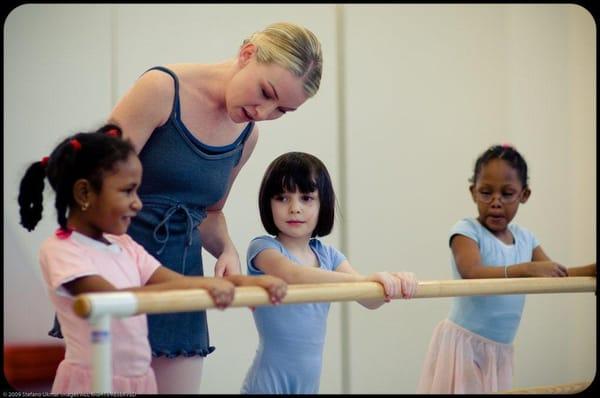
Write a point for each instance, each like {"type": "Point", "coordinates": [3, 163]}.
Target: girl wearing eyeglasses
{"type": "Point", "coordinates": [471, 351]}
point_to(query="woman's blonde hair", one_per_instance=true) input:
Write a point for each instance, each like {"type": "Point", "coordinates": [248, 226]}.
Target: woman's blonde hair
{"type": "Point", "coordinates": [292, 47]}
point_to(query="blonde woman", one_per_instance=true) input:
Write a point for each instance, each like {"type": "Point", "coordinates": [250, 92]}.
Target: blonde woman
{"type": "Point", "coordinates": [193, 126]}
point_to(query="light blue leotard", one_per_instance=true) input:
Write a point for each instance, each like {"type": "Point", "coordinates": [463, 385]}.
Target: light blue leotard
{"type": "Point", "coordinates": [291, 336]}
{"type": "Point", "coordinates": [494, 317]}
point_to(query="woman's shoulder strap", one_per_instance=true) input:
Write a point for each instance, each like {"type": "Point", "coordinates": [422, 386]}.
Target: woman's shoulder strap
{"type": "Point", "coordinates": [175, 83]}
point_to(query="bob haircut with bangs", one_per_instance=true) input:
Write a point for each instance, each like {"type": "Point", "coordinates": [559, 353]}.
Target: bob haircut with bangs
{"type": "Point", "coordinates": [297, 171]}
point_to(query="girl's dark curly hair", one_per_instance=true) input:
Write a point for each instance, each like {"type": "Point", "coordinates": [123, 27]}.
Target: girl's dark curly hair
{"type": "Point", "coordinates": [85, 155]}
{"type": "Point", "coordinates": [506, 153]}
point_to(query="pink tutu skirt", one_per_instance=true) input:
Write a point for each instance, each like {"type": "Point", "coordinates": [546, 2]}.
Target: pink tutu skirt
{"type": "Point", "coordinates": [73, 379]}
{"type": "Point", "coordinates": [462, 362]}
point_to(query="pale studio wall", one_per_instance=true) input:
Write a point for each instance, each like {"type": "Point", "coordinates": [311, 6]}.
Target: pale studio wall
{"type": "Point", "coordinates": [416, 93]}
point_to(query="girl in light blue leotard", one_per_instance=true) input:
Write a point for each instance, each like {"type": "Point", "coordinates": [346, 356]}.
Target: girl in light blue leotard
{"type": "Point", "coordinates": [471, 352]}
{"type": "Point", "coordinates": [296, 203]}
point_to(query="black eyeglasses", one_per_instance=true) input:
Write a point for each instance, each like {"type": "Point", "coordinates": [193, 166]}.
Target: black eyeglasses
{"type": "Point", "coordinates": [505, 198]}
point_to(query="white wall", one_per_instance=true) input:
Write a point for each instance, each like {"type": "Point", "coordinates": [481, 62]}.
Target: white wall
{"type": "Point", "coordinates": [425, 89]}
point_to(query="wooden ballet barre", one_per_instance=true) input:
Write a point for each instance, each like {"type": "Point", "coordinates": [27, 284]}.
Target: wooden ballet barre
{"type": "Point", "coordinates": [571, 388]}
{"type": "Point", "coordinates": [129, 303]}
{"type": "Point", "coordinates": [99, 308]}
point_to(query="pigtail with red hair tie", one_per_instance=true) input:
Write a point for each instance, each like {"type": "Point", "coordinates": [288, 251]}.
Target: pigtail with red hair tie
{"type": "Point", "coordinates": [75, 144]}
{"type": "Point", "coordinates": [113, 133]}
{"type": "Point", "coordinates": [44, 161]}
